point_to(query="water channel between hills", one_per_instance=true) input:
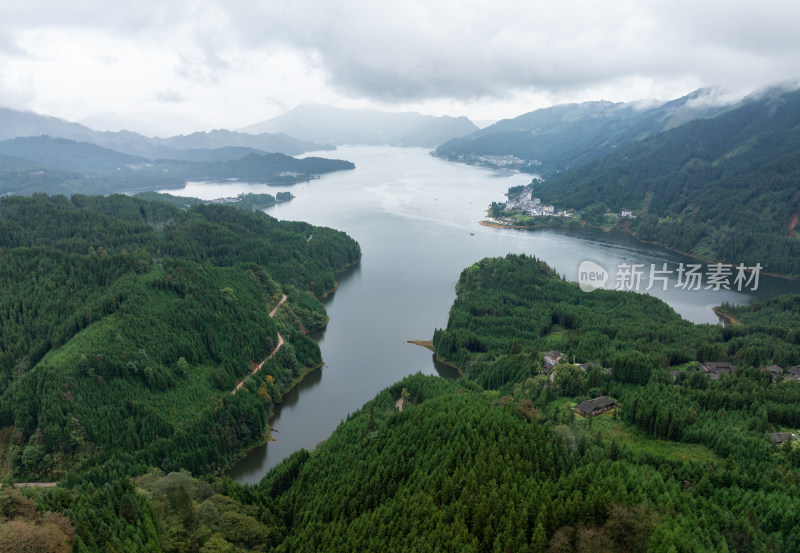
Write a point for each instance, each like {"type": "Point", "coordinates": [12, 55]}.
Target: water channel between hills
{"type": "Point", "coordinates": [416, 218]}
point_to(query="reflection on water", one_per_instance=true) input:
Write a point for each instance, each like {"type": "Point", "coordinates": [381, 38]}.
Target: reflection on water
{"type": "Point", "coordinates": [416, 218]}
{"type": "Point", "coordinates": [443, 369]}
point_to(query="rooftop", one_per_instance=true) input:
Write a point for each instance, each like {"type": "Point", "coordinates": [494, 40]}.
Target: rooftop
{"type": "Point", "coordinates": [602, 402]}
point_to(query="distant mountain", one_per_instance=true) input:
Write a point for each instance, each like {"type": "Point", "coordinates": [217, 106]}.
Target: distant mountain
{"type": "Point", "coordinates": [331, 125]}
{"type": "Point", "coordinates": [15, 124]}
{"type": "Point", "coordinates": [159, 123]}
{"type": "Point", "coordinates": [68, 155]}
{"type": "Point", "coordinates": [723, 188]}
{"type": "Point", "coordinates": [554, 139]}
{"type": "Point", "coordinates": [270, 168]}
{"type": "Point", "coordinates": [278, 142]}
{"type": "Point", "coordinates": [59, 165]}
{"type": "Point", "coordinates": [226, 153]}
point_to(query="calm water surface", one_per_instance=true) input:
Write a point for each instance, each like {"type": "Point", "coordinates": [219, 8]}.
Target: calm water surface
{"type": "Point", "coordinates": [416, 218]}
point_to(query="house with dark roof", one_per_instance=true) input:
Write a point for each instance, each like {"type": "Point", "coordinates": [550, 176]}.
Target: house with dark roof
{"type": "Point", "coordinates": [715, 369]}
{"type": "Point", "coordinates": [793, 373]}
{"type": "Point", "coordinates": [776, 371]}
{"type": "Point", "coordinates": [552, 357]}
{"type": "Point", "coordinates": [688, 371]}
{"type": "Point", "coordinates": [596, 406]}
{"type": "Point", "coordinates": [780, 437]}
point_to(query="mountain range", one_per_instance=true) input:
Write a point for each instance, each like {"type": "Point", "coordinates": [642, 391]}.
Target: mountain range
{"type": "Point", "coordinates": [722, 188]}
{"type": "Point", "coordinates": [14, 124]}
{"type": "Point", "coordinates": [331, 125]}
{"type": "Point", "coordinates": [561, 137]}
{"type": "Point", "coordinates": [62, 166]}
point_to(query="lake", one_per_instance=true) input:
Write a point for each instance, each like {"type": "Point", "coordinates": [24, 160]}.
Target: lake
{"type": "Point", "coordinates": [417, 220]}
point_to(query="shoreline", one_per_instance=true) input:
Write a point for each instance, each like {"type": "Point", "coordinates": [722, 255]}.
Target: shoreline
{"type": "Point", "coordinates": [627, 230]}
{"type": "Point", "coordinates": [491, 224]}
{"type": "Point", "coordinates": [329, 292]}
{"type": "Point", "coordinates": [428, 344]}
{"type": "Point", "coordinates": [271, 417]}
{"type": "Point", "coordinates": [451, 364]}
{"type": "Point", "coordinates": [269, 429]}
{"type": "Point", "coordinates": [336, 283]}
{"type": "Point", "coordinates": [733, 321]}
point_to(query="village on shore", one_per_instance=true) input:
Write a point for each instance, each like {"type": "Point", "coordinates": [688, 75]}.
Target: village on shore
{"type": "Point", "coordinates": [521, 206]}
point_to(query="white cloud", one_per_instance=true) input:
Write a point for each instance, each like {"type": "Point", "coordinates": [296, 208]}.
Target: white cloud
{"type": "Point", "coordinates": [170, 97]}
{"type": "Point", "coordinates": [414, 50]}
{"type": "Point", "coordinates": [17, 95]}
{"type": "Point", "coordinates": [238, 61]}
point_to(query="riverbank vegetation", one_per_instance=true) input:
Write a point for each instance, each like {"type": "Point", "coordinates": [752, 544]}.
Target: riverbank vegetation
{"type": "Point", "coordinates": [722, 189]}
{"type": "Point", "coordinates": [127, 323]}
{"type": "Point", "coordinates": [499, 460]}
{"type": "Point", "coordinates": [247, 201]}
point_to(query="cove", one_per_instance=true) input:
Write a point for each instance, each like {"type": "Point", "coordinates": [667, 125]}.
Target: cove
{"type": "Point", "coordinates": [417, 218]}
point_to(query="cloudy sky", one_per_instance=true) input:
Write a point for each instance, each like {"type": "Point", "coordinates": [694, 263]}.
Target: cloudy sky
{"type": "Point", "coordinates": [231, 63]}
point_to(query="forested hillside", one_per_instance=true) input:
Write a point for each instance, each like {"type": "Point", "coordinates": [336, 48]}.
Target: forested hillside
{"type": "Point", "coordinates": [498, 461]}
{"type": "Point", "coordinates": [58, 165]}
{"type": "Point", "coordinates": [508, 307]}
{"type": "Point", "coordinates": [126, 325]}
{"type": "Point", "coordinates": [550, 140]}
{"type": "Point", "coordinates": [248, 201]}
{"type": "Point", "coordinates": [724, 188]}
{"type": "Point", "coordinates": [683, 468]}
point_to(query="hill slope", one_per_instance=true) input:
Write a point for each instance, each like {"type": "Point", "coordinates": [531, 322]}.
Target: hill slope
{"type": "Point", "coordinates": [128, 323]}
{"type": "Point", "coordinates": [101, 170]}
{"type": "Point", "coordinates": [68, 155]}
{"type": "Point", "coordinates": [723, 188]}
{"type": "Point", "coordinates": [681, 466]}
{"type": "Point", "coordinates": [464, 469]}
{"type": "Point", "coordinates": [554, 139]}
{"type": "Point", "coordinates": [15, 124]}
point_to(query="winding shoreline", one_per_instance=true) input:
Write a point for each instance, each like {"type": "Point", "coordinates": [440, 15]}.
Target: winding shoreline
{"type": "Point", "coordinates": [733, 321]}
{"type": "Point", "coordinates": [268, 431]}
{"type": "Point", "coordinates": [627, 230]}
{"type": "Point", "coordinates": [428, 344]}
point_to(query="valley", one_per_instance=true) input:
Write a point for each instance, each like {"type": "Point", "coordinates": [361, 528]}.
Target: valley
{"type": "Point", "coordinates": [223, 366]}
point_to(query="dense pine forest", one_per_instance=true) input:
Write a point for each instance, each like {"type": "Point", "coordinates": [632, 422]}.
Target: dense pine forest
{"type": "Point", "coordinates": [127, 324]}
{"type": "Point", "coordinates": [248, 201]}
{"type": "Point", "coordinates": [723, 188]}
{"type": "Point", "coordinates": [146, 340]}
{"type": "Point", "coordinates": [499, 460]}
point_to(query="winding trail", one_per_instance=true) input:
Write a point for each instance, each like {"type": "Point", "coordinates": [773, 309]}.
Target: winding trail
{"type": "Point", "coordinates": [280, 343]}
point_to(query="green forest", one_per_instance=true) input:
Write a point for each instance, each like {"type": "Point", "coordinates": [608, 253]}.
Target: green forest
{"type": "Point", "coordinates": [498, 460]}
{"type": "Point", "coordinates": [127, 324]}
{"type": "Point", "coordinates": [248, 201]}
{"type": "Point", "coordinates": [723, 188]}
{"type": "Point", "coordinates": [61, 166]}
{"type": "Point", "coordinates": [550, 140]}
